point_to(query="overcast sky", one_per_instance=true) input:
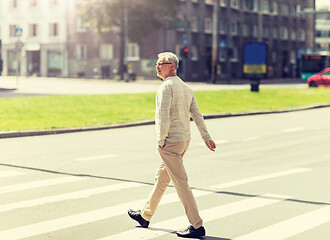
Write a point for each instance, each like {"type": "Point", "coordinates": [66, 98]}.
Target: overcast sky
{"type": "Point", "coordinates": [322, 3]}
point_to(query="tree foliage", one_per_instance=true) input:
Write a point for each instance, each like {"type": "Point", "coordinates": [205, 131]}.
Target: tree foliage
{"type": "Point", "coordinates": [143, 16]}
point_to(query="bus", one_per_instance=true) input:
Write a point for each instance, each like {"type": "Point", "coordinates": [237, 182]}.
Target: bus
{"type": "Point", "coordinates": [312, 63]}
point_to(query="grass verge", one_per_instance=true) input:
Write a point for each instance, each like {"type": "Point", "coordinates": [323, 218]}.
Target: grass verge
{"type": "Point", "coordinates": [51, 112]}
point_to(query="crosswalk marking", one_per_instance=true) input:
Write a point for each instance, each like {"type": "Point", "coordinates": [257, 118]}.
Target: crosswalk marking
{"type": "Point", "coordinates": [291, 227]}
{"type": "Point", "coordinates": [81, 218]}
{"type": "Point", "coordinates": [95, 157]}
{"type": "Point", "coordinates": [67, 196]}
{"type": "Point", "coordinates": [210, 215]}
{"type": "Point", "coordinates": [4, 174]}
{"type": "Point", "coordinates": [104, 213]}
{"type": "Point", "coordinates": [262, 177]}
{"type": "Point", "coordinates": [289, 130]}
{"type": "Point", "coordinates": [40, 183]}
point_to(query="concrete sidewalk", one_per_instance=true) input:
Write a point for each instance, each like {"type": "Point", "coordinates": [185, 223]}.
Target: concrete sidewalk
{"type": "Point", "coordinates": [32, 86]}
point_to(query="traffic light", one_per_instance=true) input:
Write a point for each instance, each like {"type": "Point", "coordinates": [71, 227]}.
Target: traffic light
{"type": "Point", "coordinates": [184, 52]}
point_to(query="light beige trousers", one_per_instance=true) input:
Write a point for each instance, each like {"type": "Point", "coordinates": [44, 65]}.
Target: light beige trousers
{"type": "Point", "coordinates": [171, 168]}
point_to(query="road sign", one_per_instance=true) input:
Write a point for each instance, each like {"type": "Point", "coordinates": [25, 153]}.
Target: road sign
{"type": "Point", "coordinates": [184, 40]}
{"type": "Point", "coordinates": [222, 43]}
{"type": "Point", "coordinates": [18, 32]}
{"type": "Point", "coordinates": [179, 25]}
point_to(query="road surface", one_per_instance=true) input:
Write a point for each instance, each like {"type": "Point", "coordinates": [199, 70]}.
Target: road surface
{"type": "Point", "coordinates": [268, 180]}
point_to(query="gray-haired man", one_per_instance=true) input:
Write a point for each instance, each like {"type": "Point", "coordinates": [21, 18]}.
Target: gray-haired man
{"type": "Point", "coordinates": [175, 104]}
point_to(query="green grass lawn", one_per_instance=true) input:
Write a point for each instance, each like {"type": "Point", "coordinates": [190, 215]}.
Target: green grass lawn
{"type": "Point", "coordinates": [49, 112]}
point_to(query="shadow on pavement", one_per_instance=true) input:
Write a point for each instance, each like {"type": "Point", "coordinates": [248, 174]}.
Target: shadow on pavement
{"type": "Point", "coordinates": [247, 195]}
{"type": "Point", "coordinates": [174, 232]}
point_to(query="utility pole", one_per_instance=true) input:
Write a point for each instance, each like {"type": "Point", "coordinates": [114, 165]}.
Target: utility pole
{"type": "Point", "coordinates": [125, 40]}
{"type": "Point", "coordinates": [214, 40]}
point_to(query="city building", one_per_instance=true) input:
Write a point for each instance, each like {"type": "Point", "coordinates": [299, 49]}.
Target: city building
{"type": "Point", "coordinates": [34, 37]}
{"type": "Point", "coordinates": [322, 28]}
{"type": "Point", "coordinates": [280, 24]}
{"type": "Point", "coordinates": [48, 38]}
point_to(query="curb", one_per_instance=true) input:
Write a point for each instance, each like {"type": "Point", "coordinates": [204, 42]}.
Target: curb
{"type": "Point", "coordinates": [15, 134]}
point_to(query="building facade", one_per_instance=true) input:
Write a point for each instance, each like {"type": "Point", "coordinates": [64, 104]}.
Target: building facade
{"type": "Point", "coordinates": [322, 28]}
{"type": "Point", "coordinates": [34, 37]}
{"type": "Point", "coordinates": [278, 23]}
{"type": "Point", "coordinates": [55, 42]}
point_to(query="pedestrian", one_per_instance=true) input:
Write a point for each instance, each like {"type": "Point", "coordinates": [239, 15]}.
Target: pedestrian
{"type": "Point", "coordinates": [175, 104]}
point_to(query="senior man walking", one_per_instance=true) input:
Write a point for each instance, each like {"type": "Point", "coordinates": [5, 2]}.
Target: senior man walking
{"type": "Point", "coordinates": [175, 104]}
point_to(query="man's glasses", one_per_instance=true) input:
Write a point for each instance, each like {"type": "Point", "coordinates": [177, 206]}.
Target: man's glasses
{"type": "Point", "coordinates": [160, 64]}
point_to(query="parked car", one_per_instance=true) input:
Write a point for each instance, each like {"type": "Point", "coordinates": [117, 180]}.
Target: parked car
{"type": "Point", "coordinates": [321, 79]}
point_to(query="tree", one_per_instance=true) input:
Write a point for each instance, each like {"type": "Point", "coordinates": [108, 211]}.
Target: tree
{"type": "Point", "coordinates": [143, 16]}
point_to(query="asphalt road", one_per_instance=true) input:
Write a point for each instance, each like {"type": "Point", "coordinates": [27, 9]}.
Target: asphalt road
{"type": "Point", "coordinates": [268, 180]}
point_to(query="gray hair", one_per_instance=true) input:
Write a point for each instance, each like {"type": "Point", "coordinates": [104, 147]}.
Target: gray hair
{"type": "Point", "coordinates": [171, 57]}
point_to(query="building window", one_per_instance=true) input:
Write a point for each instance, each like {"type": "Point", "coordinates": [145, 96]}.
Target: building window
{"type": "Point", "coordinates": [265, 6]}
{"type": "Point", "coordinates": [246, 4]}
{"type": "Point", "coordinates": [223, 27]}
{"type": "Point", "coordinates": [194, 53]}
{"type": "Point", "coordinates": [294, 11]}
{"type": "Point", "coordinates": [284, 10]}
{"type": "Point", "coordinates": [275, 7]}
{"type": "Point", "coordinates": [284, 33]}
{"type": "Point", "coordinates": [81, 52]}
{"type": "Point", "coordinates": [223, 3]}
{"type": "Point", "coordinates": [255, 31]}
{"type": "Point", "coordinates": [106, 51]}
{"type": "Point", "coordinates": [245, 30]}
{"type": "Point", "coordinates": [208, 25]}
{"type": "Point", "coordinates": [222, 54]}
{"type": "Point", "coordinates": [265, 31]}
{"type": "Point", "coordinates": [293, 34]}
{"type": "Point", "coordinates": [13, 4]}
{"type": "Point", "coordinates": [133, 52]}
{"type": "Point", "coordinates": [194, 24]}
{"type": "Point", "coordinates": [234, 3]}
{"type": "Point", "coordinates": [12, 30]}
{"type": "Point", "coordinates": [33, 30]}
{"type": "Point", "coordinates": [234, 29]}
{"type": "Point", "coordinates": [33, 3]}
{"type": "Point", "coordinates": [81, 26]}
{"type": "Point", "coordinates": [293, 57]}
{"type": "Point", "coordinates": [53, 29]}
{"type": "Point", "coordinates": [302, 35]}
{"type": "Point", "coordinates": [53, 2]}
{"type": "Point", "coordinates": [234, 56]}
{"type": "Point", "coordinates": [274, 56]}
{"type": "Point", "coordinates": [275, 32]}
{"type": "Point", "coordinates": [256, 5]}
{"type": "Point", "coordinates": [298, 10]}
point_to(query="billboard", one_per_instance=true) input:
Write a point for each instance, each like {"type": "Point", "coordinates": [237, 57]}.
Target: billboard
{"type": "Point", "coordinates": [255, 60]}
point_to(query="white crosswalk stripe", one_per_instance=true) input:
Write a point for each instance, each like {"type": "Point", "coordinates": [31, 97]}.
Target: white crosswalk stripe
{"type": "Point", "coordinates": [292, 226]}
{"type": "Point", "coordinates": [82, 218]}
{"type": "Point", "coordinates": [40, 183]}
{"type": "Point", "coordinates": [66, 196]}
{"type": "Point", "coordinates": [259, 178]}
{"type": "Point", "coordinates": [4, 174]}
{"type": "Point", "coordinates": [277, 231]}
{"type": "Point", "coordinates": [210, 215]}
